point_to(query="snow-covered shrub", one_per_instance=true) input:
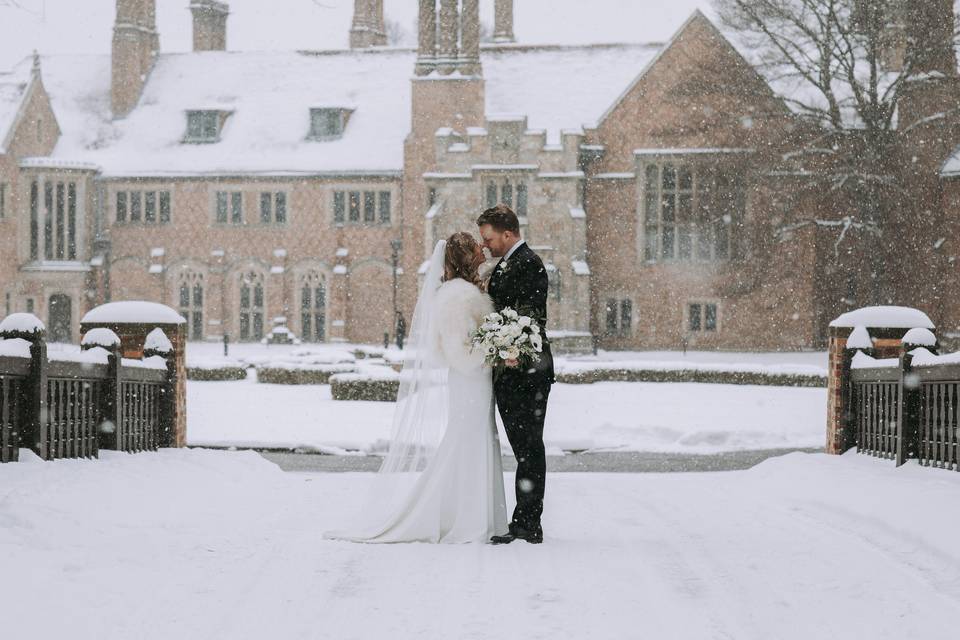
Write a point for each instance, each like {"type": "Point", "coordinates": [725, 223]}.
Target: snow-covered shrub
{"type": "Point", "coordinates": [225, 373]}
{"type": "Point", "coordinates": [299, 373]}
{"type": "Point", "coordinates": [369, 386]}
{"type": "Point", "coordinates": [622, 374]}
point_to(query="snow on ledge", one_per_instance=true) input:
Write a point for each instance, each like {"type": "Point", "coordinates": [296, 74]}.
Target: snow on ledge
{"type": "Point", "coordinates": [863, 361]}
{"type": "Point", "coordinates": [158, 341]}
{"type": "Point", "coordinates": [920, 338]}
{"type": "Point", "coordinates": [15, 348]}
{"type": "Point", "coordinates": [923, 358]}
{"type": "Point", "coordinates": [860, 339]}
{"type": "Point", "coordinates": [885, 318]}
{"type": "Point", "coordinates": [21, 323]}
{"type": "Point", "coordinates": [100, 338]}
{"type": "Point", "coordinates": [133, 312]}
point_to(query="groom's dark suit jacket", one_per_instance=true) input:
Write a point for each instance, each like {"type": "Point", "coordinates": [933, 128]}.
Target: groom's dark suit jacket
{"type": "Point", "coordinates": [521, 284]}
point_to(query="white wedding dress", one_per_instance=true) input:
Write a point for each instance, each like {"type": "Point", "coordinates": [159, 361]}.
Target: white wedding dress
{"type": "Point", "coordinates": [442, 481]}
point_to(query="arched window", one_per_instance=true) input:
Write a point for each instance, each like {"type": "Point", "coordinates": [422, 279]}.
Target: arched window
{"type": "Point", "coordinates": [191, 303]}
{"type": "Point", "coordinates": [313, 307]}
{"type": "Point", "coordinates": [251, 306]}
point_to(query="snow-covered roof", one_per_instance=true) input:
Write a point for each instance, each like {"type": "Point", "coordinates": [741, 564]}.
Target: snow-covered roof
{"type": "Point", "coordinates": [885, 318]}
{"type": "Point", "coordinates": [132, 312]}
{"type": "Point", "coordinates": [13, 90]}
{"type": "Point", "coordinates": [269, 96]}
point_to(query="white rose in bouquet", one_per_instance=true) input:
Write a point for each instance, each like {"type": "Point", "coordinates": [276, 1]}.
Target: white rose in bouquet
{"type": "Point", "coordinates": [508, 336]}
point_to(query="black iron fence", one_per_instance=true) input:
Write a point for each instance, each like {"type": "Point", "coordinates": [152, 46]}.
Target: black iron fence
{"type": "Point", "coordinates": [73, 405]}
{"type": "Point", "coordinates": [901, 411]}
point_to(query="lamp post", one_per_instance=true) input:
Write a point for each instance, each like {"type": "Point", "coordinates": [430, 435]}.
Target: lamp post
{"type": "Point", "coordinates": [395, 245]}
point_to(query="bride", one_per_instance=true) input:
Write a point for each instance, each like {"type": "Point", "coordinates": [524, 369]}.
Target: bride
{"type": "Point", "coordinates": [442, 479]}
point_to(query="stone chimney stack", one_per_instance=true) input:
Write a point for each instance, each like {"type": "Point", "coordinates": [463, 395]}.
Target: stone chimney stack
{"type": "Point", "coordinates": [449, 38]}
{"type": "Point", "coordinates": [136, 44]}
{"type": "Point", "coordinates": [503, 21]}
{"type": "Point", "coordinates": [369, 28]}
{"type": "Point", "coordinates": [209, 25]}
{"type": "Point", "coordinates": [929, 31]}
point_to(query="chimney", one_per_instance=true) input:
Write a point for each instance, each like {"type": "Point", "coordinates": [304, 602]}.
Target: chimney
{"type": "Point", "coordinates": [209, 25]}
{"type": "Point", "coordinates": [136, 44]}
{"type": "Point", "coordinates": [929, 31]}
{"type": "Point", "coordinates": [369, 28]}
{"type": "Point", "coordinates": [503, 21]}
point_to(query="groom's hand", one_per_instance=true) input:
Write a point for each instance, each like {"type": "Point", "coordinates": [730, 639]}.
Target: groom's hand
{"type": "Point", "coordinates": [513, 364]}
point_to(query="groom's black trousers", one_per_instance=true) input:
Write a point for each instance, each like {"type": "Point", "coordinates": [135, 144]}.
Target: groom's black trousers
{"type": "Point", "coordinates": [522, 402]}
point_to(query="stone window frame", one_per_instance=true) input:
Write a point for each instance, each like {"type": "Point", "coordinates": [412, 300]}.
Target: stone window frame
{"type": "Point", "coordinates": [363, 206]}
{"type": "Point", "coordinates": [314, 278]}
{"type": "Point", "coordinates": [228, 208]}
{"type": "Point", "coordinates": [56, 217]}
{"type": "Point", "coordinates": [616, 309]}
{"type": "Point", "coordinates": [703, 326]}
{"type": "Point", "coordinates": [162, 207]}
{"type": "Point", "coordinates": [204, 126]}
{"type": "Point", "coordinates": [251, 303]}
{"type": "Point", "coordinates": [512, 190]}
{"type": "Point", "coordinates": [334, 126]}
{"type": "Point", "coordinates": [686, 223]}
{"type": "Point", "coordinates": [275, 201]}
{"type": "Point", "coordinates": [192, 281]}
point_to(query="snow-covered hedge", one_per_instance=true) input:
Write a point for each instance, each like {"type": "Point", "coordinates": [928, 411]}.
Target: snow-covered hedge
{"type": "Point", "coordinates": [300, 373]}
{"type": "Point", "coordinates": [715, 374]}
{"type": "Point", "coordinates": [369, 386]}
{"type": "Point", "coordinates": [224, 373]}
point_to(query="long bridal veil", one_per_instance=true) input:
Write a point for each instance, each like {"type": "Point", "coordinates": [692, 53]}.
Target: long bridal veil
{"type": "Point", "coordinates": [419, 417]}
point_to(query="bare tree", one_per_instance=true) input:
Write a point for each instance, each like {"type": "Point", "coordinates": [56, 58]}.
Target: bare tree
{"type": "Point", "coordinates": [843, 65]}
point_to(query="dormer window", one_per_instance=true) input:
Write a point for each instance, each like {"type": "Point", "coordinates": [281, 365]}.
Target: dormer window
{"type": "Point", "coordinates": [327, 123]}
{"type": "Point", "coordinates": [203, 127]}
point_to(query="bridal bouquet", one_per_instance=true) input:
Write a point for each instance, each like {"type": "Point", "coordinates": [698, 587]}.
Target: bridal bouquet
{"type": "Point", "coordinates": [508, 336]}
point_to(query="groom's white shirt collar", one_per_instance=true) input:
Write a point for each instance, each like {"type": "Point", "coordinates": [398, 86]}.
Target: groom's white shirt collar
{"type": "Point", "coordinates": [513, 249]}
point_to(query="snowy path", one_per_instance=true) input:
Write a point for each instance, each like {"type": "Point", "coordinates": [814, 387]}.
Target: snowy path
{"type": "Point", "coordinates": [611, 416]}
{"type": "Point", "coordinates": [199, 544]}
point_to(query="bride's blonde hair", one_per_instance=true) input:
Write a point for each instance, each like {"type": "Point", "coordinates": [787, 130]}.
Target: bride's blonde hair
{"type": "Point", "coordinates": [458, 259]}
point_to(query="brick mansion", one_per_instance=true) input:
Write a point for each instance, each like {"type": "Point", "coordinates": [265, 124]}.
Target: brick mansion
{"type": "Point", "coordinates": [246, 189]}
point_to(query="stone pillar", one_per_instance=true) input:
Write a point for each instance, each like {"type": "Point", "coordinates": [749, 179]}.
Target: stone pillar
{"type": "Point", "coordinates": [209, 25]}
{"type": "Point", "coordinates": [135, 47]}
{"type": "Point", "coordinates": [470, 38]}
{"type": "Point", "coordinates": [449, 51]}
{"type": "Point", "coordinates": [503, 21]}
{"type": "Point", "coordinates": [368, 28]}
{"type": "Point", "coordinates": [427, 37]}
{"type": "Point", "coordinates": [886, 344]}
{"type": "Point", "coordinates": [133, 336]}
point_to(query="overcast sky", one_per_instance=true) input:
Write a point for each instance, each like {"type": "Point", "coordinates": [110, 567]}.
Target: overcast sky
{"type": "Point", "coordinates": [84, 26]}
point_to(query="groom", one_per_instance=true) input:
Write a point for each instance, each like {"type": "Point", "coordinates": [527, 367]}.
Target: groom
{"type": "Point", "coordinates": [519, 281]}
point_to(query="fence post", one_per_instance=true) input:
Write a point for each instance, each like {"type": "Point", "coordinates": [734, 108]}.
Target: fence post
{"type": "Point", "coordinates": [908, 414]}
{"type": "Point", "coordinates": [30, 418]}
{"type": "Point", "coordinates": [36, 417]}
{"type": "Point", "coordinates": [157, 344]}
{"type": "Point", "coordinates": [848, 436]}
{"type": "Point", "coordinates": [111, 429]}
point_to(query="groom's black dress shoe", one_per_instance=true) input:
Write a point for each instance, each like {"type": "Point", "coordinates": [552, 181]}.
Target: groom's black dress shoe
{"type": "Point", "coordinates": [533, 536]}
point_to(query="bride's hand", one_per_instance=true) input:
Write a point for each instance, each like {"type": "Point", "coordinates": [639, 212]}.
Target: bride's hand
{"type": "Point", "coordinates": [513, 364]}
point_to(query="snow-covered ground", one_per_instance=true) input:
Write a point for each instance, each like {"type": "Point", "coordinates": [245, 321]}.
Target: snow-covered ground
{"type": "Point", "coordinates": [623, 416]}
{"type": "Point", "coordinates": [204, 544]}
